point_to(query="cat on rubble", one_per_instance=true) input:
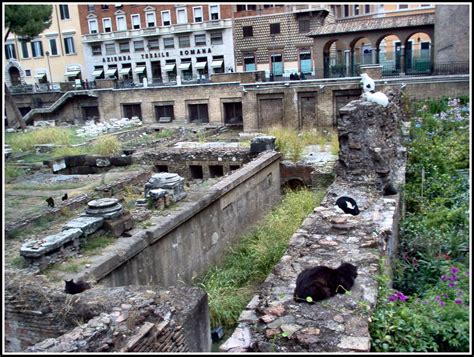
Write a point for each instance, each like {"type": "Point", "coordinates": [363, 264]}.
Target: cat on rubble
{"type": "Point", "coordinates": [75, 288]}
{"type": "Point", "coordinates": [320, 282]}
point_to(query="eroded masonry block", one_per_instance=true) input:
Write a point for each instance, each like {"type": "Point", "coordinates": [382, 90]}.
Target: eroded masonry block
{"type": "Point", "coordinates": [170, 182]}
{"type": "Point", "coordinates": [87, 225]}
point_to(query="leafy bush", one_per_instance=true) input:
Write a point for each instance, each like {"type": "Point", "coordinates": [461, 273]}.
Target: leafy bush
{"type": "Point", "coordinates": [431, 268]}
{"type": "Point", "coordinates": [107, 145]}
{"type": "Point", "coordinates": [437, 320]}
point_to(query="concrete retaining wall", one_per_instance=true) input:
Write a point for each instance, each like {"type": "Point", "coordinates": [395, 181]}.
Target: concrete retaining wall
{"type": "Point", "coordinates": [186, 242]}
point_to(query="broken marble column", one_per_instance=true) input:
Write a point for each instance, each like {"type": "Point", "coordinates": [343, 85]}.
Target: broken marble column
{"type": "Point", "coordinates": [170, 182]}
{"type": "Point", "coordinates": [116, 220]}
{"type": "Point", "coordinates": [88, 225]}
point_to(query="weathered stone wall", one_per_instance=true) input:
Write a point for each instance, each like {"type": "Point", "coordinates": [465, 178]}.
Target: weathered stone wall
{"type": "Point", "coordinates": [189, 239]}
{"type": "Point", "coordinates": [40, 317]}
{"type": "Point", "coordinates": [242, 77]}
{"type": "Point", "coordinates": [273, 321]}
{"type": "Point", "coordinates": [178, 160]}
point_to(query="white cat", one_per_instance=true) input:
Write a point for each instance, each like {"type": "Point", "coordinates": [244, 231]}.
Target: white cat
{"type": "Point", "coordinates": [377, 97]}
{"type": "Point", "coordinates": [368, 84]}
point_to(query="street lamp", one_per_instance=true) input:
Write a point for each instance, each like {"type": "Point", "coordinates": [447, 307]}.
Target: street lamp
{"type": "Point", "coordinates": [49, 68]}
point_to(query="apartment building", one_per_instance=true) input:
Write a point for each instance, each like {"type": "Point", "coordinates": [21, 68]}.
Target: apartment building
{"type": "Point", "coordinates": [158, 42]}
{"type": "Point", "coordinates": [273, 37]}
{"type": "Point", "coordinates": [53, 56]}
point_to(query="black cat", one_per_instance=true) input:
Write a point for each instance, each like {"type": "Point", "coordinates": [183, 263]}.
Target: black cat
{"type": "Point", "coordinates": [348, 205]}
{"type": "Point", "coordinates": [322, 282]}
{"type": "Point", "coordinates": [50, 201]}
{"type": "Point", "coordinates": [75, 288]}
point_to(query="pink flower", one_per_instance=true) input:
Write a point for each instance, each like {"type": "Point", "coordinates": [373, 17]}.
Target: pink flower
{"type": "Point", "coordinates": [458, 301]}
{"type": "Point", "coordinates": [454, 270]}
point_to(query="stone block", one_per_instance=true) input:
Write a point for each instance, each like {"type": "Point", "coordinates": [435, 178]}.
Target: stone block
{"type": "Point", "coordinates": [262, 143]}
{"type": "Point", "coordinates": [87, 225]}
{"type": "Point", "coordinates": [38, 247]}
{"type": "Point", "coordinates": [119, 225]}
{"type": "Point", "coordinates": [77, 160]}
{"type": "Point", "coordinates": [121, 160]}
{"type": "Point", "coordinates": [58, 165]}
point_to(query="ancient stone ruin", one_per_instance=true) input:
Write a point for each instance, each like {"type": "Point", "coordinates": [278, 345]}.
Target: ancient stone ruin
{"type": "Point", "coordinates": [371, 157]}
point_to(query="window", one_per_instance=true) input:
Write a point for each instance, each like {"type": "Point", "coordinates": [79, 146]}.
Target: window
{"type": "Point", "coordinates": [36, 48]}
{"type": "Point", "coordinates": [64, 12]}
{"type": "Point", "coordinates": [249, 63]}
{"type": "Point", "coordinates": [184, 41]}
{"type": "Point", "coordinates": [98, 72]}
{"type": "Point", "coordinates": [153, 44]}
{"type": "Point", "coordinates": [267, 6]}
{"type": "Point", "coordinates": [110, 49]}
{"type": "Point", "coordinates": [27, 72]}
{"type": "Point", "coordinates": [104, 7]}
{"type": "Point", "coordinates": [252, 7]}
{"type": "Point", "coordinates": [168, 42]}
{"type": "Point", "coordinates": [24, 49]}
{"type": "Point", "coordinates": [164, 111]}
{"type": "Point", "coordinates": [217, 64]}
{"type": "Point", "coordinates": [356, 10]}
{"type": "Point", "coordinates": [277, 64]}
{"type": "Point", "coordinates": [107, 22]}
{"type": "Point", "coordinates": [69, 45]}
{"type": "Point", "coordinates": [241, 7]}
{"type": "Point", "coordinates": [214, 9]}
{"type": "Point", "coordinates": [121, 23]}
{"type": "Point", "coordinates": [91, 8]}
{"type": "Point", "coordinates": [197, 14]}
{"type": "Point", "coordinates": [346, 10]}
{"type": "Point", "coordinates": [53, 47]}
{"type": "Point", "coordinates": [96, 50]}
{"type": "Point", "coordinates": [166, 18]}
{"type": "Point", "coordinates": [274, 28]}
{"type": "Point", "coordinates": [216, 38]}
{"type": "Point", "coordinates": [138, 46]}
{"type": "Point", "coordinates": [401, 7]}
{"type": "Point", "coordinates": [150, 19]}
{"type": "Point", "coordinates": [367, 9]}
{"type": "Point", "coordinates": [132, 110]}
{"type": "Point", "coordinates": [304, 26]}
{"type": "Point", "coordinates": [10, 51]}
{"type": "Point", "coordinates": [135, 22]}
{"type": "Point", "coordinates": [247, 31]}
{"type": "Point", "coordinates": [93, 28]}
{"type": "Point", "coordinates": [181, 16]}
{"type": "Point", "coordinates": [124, 47]}
{"type": "Point", "coordinates": [305, 62]}
{"type": "Point", "coordinates": [198, 113]}
{"type": "Point", "coordinates": [200, 40]}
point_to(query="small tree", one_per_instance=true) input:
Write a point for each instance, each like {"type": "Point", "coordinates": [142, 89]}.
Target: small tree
{"type": "Point", "coordinates": [27, 22]}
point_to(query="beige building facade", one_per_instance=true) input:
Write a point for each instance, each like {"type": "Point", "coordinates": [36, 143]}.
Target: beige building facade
{"type": "Point", "coordinates": [56, 55]}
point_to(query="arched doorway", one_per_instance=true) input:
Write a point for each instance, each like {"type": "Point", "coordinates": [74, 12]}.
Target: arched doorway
{"type": "Point", "coordinates": [334, 62]}
{"type": "Point", "coordinates": [418, 54]}
{"type": "Point", "coordinates": [362, 52]}
{"type": "Point", "coordinates": [15, 77]}
{"type": "Point", "coordinates": [390, 54]}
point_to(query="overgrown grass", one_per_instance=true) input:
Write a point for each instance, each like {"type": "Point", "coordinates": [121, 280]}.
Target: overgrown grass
{"type": "Point", "coordinates": [291, 143]}
{"type": "Point", "coordinates": [107, 145]}
{"type": "Point", "coordinates": [231, 285]}
{"type": "Point", "coordinates": [26, 141]}
{"type": "Point", "coordinates": [12, 172]}
{"type": "Point", "coordinates": [96, 243]}
{"type": "Point", "coordinates": [429, 311]}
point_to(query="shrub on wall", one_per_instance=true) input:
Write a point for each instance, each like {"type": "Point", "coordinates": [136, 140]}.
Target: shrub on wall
{"type": "Point", "coordinates": [107, 145]}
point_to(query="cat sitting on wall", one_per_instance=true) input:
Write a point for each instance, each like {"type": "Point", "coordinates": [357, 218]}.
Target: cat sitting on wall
{"type": "Point", "coordinates": [75, 288]}
{"type": "Point", "coordinates": [320, 282]}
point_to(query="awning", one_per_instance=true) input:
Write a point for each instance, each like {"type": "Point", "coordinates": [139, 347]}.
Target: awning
{"type": "Point", "coordinates": [216, 64]}
{"type": "Point", "coordinates": [201, 65]}
{"type": "Point", "coordinates": [111, 72]}
{"type": "Point", "coordinates": [139, 69]}
{"type": "Point", "coordinates": [97, 73]}
{"type": "Point", "coordinates": [169, 67]}
{"type": "Point", "coordinates": [184, 66]}
{"type": "Point", "coordinates": [72, 73]}
{"type": "Point", "coordinates": [40, 75]}
{"type": "Point", "coordinates": [125, 71]}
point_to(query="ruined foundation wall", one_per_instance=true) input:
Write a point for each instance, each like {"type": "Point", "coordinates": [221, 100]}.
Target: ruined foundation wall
{"type": "Point", "coordinates": [186, 242]}
{"type": "Point", "coordinates": [40, 317]}
{"type": "Point", "coordinates": [272, 320]}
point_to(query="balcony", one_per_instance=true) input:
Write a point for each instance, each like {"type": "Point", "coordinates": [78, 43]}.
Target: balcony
{"type": "Point", "coordinates": [154, 31]}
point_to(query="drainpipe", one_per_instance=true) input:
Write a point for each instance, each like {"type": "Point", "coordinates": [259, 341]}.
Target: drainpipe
{"type": "Point", "coordinates": [59, 29]}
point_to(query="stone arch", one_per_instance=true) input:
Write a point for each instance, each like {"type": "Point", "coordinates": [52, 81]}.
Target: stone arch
{"type": "Point", "coordinates": [16, 68]}
{"type": "Point", "coordinates": [333, 57]}
{"type": "Point", "coordinates": [389, 53]}
{"type": "Point", "coordinates": [418, 52]}
{"type": "Point", "coordinates": [363, 51]}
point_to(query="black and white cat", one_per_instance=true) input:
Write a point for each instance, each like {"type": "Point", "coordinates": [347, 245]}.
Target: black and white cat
{"type": "Point", "coordinates": [75, 288]}
{"type": "Point", "coordinates": [321, 282]}
{"type": "Point", "coordinates": [347, 205]}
